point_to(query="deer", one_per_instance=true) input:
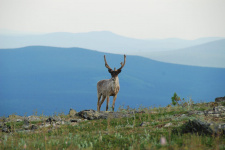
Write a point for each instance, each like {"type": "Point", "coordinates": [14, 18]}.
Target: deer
{"type": "Point", "coordinates": [109, 87]}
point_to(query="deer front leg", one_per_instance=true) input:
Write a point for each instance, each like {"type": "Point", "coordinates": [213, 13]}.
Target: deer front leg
{"type": "Point", "coordinates": [114, 100]}
{"type": "Point", "coordinates": [99, 97]}
{"type": "Point", "coordinates": [103, 99]}
{"type": "Point", "coordinates": [107, 104]}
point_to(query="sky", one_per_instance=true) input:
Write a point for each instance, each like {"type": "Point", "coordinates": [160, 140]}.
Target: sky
{"type": "Point", "coordinates": [143, 19]}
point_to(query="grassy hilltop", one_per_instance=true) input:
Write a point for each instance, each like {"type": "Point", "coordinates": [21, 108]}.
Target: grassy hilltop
{"type": "Point", "coordinates": [170, 127]}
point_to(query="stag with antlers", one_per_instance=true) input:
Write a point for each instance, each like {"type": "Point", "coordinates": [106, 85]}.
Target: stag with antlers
{"type": "Point", "coordinates": [109, 87]}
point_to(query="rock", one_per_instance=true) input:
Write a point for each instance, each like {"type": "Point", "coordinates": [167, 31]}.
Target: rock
{"type": "Point", "coordinates": [19, 120]}
{"type": "Point", "coordinates": [75, 120]}
{"type": "Point", "coordinates": [34, 127]}
{"type": "Point", "coordinates": [220, 99]}
{"type": "Point", "coordinates": [195, 126]}
{"type": "Point", "coordinates": [50, 120]}
{"type": "Point", "coordinates": [92, 114]}
{"type": "Point", "coordinates": [26, 127]}
{"type": "Point", "coordinates": [53, 119]}
{"type": "Point", "coordinates": [219, 109]}
{"type": "Point", "coordinates": [144, 124]}
{"type": "Point", "coordinates": [214, 115]}
{"type": "Point", "coordinates": [26, 122]}
{"type": "Point", "coordinates": [196, 112]}
{"type": "Point", "coordinates": [14, 118]}
{"type": "Point", "coordinates": [72, 112]}
{"type": "Point", "coordinates": [6, 128]}
{"type": "Point", "coordinates": [168, 124]}
{"type": "Point", "coordinates": [33, 118]}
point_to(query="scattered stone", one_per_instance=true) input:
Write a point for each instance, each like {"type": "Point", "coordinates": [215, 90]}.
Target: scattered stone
{"type": "Point", "coordinates": [34, 127]}
{"type": "Point", "coordinates": [72, 112]}
{"type": "Point", "coordinates": [195, 126]}
{"type": "Point", "coordinates": [220, 99]}
{"type": "Point", "coordinates": [14, 118]}
{"type": "Point", "coordinates": [50, 120]}
{"type": "Point", "coordinates": [26, 122]}
{"type": "Point", "coordinates": [62, 122]}
{"type": "Point", "coordinates": [92, 114]}
{"type": "Point", "coordinates": [75, 120]}
{"type": "Point", "coordinates": [217, 111]}
{"type": "Point", "coordinates": [19, 120]}
{"type": "Point", "coordinates": [144, 124]}
{"type": "Point", "coordinates": [214, 115]}
{"type": "Point", "coordinates": [6, 128]}
{"type": "Point", "coordinates": [168, 124]}
{"type": "Point", "coordinates": [196, 112]}
{"type": "Point", "coordinates": [33, 118]}
{"type": "Point", "coordinates": [26, 127]}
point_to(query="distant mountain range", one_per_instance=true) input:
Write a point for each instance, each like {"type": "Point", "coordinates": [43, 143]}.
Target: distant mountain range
{"type": "Point", "coordinates": [211, 54]}
{"type": "Point", "coordinates": [105, 41]}
{"type": "Point", "coordinates": [52, 79]}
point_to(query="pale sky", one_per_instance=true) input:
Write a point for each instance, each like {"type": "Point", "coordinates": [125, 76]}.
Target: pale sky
{"type": "Point", "coordinates": [187, 19]}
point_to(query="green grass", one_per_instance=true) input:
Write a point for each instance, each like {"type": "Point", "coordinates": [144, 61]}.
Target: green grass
{"type": "Point", "coordinates": [120, 133]}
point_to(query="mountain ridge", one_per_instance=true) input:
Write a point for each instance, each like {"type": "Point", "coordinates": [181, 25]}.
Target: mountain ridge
{"type": "Point", "coordinates": [54, 79]}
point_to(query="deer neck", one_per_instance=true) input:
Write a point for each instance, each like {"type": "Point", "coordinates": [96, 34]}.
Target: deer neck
{"type": "Point", "coordinates": [115, 80]}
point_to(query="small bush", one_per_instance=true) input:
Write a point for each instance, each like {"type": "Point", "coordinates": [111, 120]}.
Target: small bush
{"type": "Point", "coordinates": [175, 99]}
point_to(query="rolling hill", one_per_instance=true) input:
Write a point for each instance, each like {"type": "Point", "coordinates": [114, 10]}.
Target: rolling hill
{"type": "Point", "coordinates": [50, 79]}
{"type": "Point", "coordinates": [211, 54]}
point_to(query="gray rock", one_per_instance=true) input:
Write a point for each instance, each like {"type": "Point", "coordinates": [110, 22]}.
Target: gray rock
{"type": "Point", "coordinates": [14, 118]}
{"type": "Point", "coordinates": [214, 115]}
{"type": "Point", "coordinates": [196, 112]}
{"type": "Point", "coordinates": [195, 126]}
{"type": "Point", "coordinates": [220, 99]}
{"type": "Point", "coordinates": [6, 128]}
{"type": "Point", "coordinates": [33, 118]}
{"type": "Point", "coordinates": [92, 114]}
{"type": "Point", "coordinates": [19, 120]}
{"type": "Point", "coordinates": [219, 109]}
{"type": "Point", "coordinates": [50, 120]}
{"type": "Point", "coordinates": [75, 120]}
{"type": "Point", "coordinates": [34, 127]}
{"type": "Point", "coordinates": [144, 124]}
{"type": "Point", "coordinates": [26, 127]}
{"type": "Point", "coordinates": [26, 122]}
{"type": "Point", "coordinates": [168, 124]}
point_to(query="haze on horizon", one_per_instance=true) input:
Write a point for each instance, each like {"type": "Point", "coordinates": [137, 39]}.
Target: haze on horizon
{"type": "Point", "coordinates": [132, 18]}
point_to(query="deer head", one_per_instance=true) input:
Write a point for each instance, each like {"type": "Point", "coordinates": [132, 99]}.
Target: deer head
{"type": "Point", "coordinates": [114, 73]}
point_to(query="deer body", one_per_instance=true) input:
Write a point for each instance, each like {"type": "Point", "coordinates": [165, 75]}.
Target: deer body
{"type": "Point", "coordinates": [109, 87]}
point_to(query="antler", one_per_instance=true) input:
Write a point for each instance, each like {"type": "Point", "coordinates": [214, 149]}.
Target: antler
{"type": "Point", "coordinates": [106, 65]}
{"type": "Point", "coordinates": [122, 64]}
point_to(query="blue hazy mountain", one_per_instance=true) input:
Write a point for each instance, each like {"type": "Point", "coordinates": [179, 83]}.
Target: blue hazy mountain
{"type": "Point", "coordinates": [103, 41]}
{"type": "Point", "coordinates": [211, 54]}
{"type": "Point", "coordinates": [49, 79]}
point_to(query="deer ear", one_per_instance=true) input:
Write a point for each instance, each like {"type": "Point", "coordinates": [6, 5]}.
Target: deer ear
{"type": "Point", "coordinates": [118, 71]}
{"type": "Point", "coordinates": [110, 70]}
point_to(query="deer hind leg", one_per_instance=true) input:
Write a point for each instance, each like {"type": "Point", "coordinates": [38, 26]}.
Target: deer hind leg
{"type": "Point", "coordinates": [103, 99]}
{"type": "Point", "coordinates": [114, 100]}
{"type": "Point", "coordinates": [99, 97]}
{"type": "Point", "coordinates": [107, 104]}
